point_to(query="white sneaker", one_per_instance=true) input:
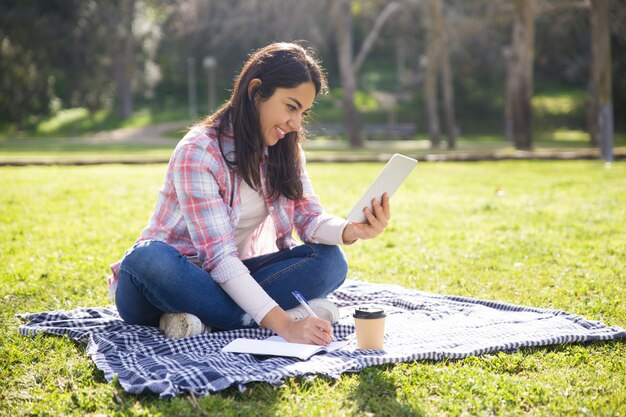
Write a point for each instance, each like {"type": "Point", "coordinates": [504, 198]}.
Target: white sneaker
{"type": "Point", "coordinates": [179, 325]}
{"type": "Point", "coordinates": [322, 307]}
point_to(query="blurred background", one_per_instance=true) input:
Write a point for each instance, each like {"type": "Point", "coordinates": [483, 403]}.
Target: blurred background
{"type": "Point", "coordinates": [520, 72]}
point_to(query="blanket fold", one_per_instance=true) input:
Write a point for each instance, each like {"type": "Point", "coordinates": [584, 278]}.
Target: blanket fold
{"type": "Point", "coordinates": [419, 326]}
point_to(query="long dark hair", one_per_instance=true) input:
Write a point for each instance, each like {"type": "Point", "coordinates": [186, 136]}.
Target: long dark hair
{"type": "Point", "coordinates": [284, 65]}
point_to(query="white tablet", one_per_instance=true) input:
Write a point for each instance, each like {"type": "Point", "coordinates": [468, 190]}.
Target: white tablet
{"type": "Point", "coordinates": [389, 180]}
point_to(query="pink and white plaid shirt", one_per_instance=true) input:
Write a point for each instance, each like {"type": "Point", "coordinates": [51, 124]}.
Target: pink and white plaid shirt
{"type": "Point", "coordinates": [198, 207]}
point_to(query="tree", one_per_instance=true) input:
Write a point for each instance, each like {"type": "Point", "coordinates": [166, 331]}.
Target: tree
{"type": "Point", "coordinates": [347, 73]}
{"type": "Point", "coordinates": [214, 27]}
{"type": "Point", "coordinates": [29, 58]}
{"type": "Point", "coordinates": [438, 68]}
{"type": "Point", "coordinates": [600, 115]}
{"type": "Point", "coordinates": [24, 87]}
{"type": "Point", "coordinates": [119, 17]}
{"type": "Point", "coordinates": [433, 51]}
{"type": "Point", "coordinates": [449, 119]}
{"type": "Point", "coordinates": [133, 34]}
{"type": "Point", "coordinates": [519, 85]}
{"type": "Point", "coordinates": [349, 66]}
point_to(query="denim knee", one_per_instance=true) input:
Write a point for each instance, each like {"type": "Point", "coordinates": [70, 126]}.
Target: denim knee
{"type": "Point", "coordinates": [334, 265]}
{"type": "Point", "coordinates": [150, 260]}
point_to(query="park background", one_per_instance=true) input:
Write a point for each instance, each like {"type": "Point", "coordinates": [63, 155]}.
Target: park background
{"type": "Point", "coordinates": [464, 75]}
{"type": "Point", "coordinates": [98, 85]}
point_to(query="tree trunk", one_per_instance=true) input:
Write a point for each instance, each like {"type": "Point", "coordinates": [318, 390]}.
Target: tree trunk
{"type": "Point", "coordinates": [343, 18]}
{"type": "Point", "coordinates": [433, 53]}
{"type": "Point", "coordinates": [123, 65]}
{"type": "Point", "coordinates": [507, 53]}
{"type": "Point", "coordinates": [522, 72]}
{"type": "Point", "coordinates": [600, 116]}
{"type": "Point", "coordinates": [348, 66]}
{"type": "Point", "coordinates": [449, 119]}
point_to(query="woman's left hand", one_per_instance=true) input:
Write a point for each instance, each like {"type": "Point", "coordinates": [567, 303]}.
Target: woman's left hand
{"type": "Point", "coordinates": [377, 220]}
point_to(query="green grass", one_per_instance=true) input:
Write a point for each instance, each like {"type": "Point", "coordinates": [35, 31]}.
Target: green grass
{"type": "Point", "coordinates": [545, 234]}
{"type": "Point", "coordinates": [79, 121]}
{"type": "Point", "coordinates": [66, 136]}
{"type": "Point", "coordinates": [76, 149]}
{"type": "Point", "coordinates": [38, 149]}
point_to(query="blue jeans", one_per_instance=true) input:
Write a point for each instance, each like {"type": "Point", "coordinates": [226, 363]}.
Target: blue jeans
{"type": "Point", "coordinates": [154, 278]}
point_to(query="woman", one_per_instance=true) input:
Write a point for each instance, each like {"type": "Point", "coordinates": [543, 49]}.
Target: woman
{"type": "Point", "coordinates": [218, 251]}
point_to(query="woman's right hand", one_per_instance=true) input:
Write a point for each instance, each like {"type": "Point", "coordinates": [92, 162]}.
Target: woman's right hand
{"type": "Point", "coordinates": [311, 330]}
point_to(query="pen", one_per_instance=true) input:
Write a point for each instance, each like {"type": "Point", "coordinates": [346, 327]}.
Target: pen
{"type": "Point", "coordinates": [305, 304]}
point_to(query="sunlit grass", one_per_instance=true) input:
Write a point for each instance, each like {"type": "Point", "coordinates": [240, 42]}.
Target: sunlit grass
{"type": "Point", "coordinates": [80, 121]}
{"type": "Point", "coordinates": [559, 103]}
{"type": "Point", "coordinates": [79, 150]}
{"type": "Point", "coordinates": [563, 135]}
{"type": "Point", "coordinates": [545, 234]}
{"type": "Point", "coordinates": [61, 119]}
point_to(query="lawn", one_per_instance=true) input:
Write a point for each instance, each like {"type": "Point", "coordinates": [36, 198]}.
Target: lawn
{"type": "Point", "coordinates": [75, 135]}
{"type": "Point", "coordinates": [84, 150]}
{"type": "Point", "coordinates": [545, 234]}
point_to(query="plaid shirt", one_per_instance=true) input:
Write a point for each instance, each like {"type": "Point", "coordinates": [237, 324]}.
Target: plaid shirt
{"type": "Point", "coordinates": [198, 207]}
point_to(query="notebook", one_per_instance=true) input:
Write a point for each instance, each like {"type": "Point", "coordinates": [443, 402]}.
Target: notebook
{"type": "Point", "coordinates": [277, 346]}
{"type": "Point", "coordinates": [388, 181]}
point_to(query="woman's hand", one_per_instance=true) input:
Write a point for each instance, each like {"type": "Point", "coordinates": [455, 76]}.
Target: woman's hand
{"type": "Point", "coordinates": [376, 222]}
{"type": "Point", "coordinates": [311, 330]}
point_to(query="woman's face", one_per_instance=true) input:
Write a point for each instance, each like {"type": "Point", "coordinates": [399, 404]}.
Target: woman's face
{"type": "Point", "coordinates": [283, 111]}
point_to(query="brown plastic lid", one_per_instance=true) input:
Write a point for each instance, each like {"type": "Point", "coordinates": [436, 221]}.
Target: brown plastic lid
{"type": "Point", "coordinates": [369, 313]}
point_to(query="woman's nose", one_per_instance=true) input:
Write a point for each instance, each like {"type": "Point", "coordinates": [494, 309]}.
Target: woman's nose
{"type": "Point", "coordinates": [295, 123]}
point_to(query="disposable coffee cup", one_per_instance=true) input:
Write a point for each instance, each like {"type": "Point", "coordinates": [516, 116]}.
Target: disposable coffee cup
{"type": "Point", "coordinates": [370, 327]}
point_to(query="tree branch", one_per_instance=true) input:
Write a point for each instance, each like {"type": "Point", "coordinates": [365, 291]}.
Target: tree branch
{"type": "Point", "coordinates": [389, 9]}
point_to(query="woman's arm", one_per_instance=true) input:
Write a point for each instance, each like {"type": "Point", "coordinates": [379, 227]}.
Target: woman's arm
{"type": "Point", "coordinates": [310, 219]}
{"type": "Point", "coordinates": [251, 297]}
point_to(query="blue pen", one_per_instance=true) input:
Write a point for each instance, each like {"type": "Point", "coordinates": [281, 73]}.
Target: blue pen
{"type": "Point", "coordinates": [305, 304]}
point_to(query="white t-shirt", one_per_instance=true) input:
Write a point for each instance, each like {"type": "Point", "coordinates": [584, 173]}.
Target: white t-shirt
{"type": "Point", "coordinates": [244, 289]}
{"type": "Point", "coordinates": [253, 213]}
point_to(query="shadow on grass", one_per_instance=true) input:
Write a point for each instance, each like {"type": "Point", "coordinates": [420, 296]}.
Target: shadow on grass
{"type": "Point", "coordinates": [259, 399]}
{"type": "Point", "coordinates": [376, 394]}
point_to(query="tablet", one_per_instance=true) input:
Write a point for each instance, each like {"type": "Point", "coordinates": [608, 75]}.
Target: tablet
{"type": "Point", "coordinates": [389, 180]}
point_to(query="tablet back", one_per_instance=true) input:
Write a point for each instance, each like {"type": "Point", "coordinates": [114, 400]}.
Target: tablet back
{"type": "Point", "coordinates": [389, 180]}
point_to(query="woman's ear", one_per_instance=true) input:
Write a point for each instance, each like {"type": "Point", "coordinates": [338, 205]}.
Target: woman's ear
{"type": "Point", "coordinates": [252, 87]}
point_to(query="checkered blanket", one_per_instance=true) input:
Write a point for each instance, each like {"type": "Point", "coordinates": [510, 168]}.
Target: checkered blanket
{"type": "Point", "coordinates": [419, 326]}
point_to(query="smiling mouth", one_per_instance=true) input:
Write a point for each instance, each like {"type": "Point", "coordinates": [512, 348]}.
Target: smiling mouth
{"type": "Point", "coordinates": [281, 133]}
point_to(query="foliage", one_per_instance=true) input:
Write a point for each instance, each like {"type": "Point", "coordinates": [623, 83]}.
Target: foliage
{"type": "Point", "coordinates": [546, 234]}
{"type": "Point", "coordinates": [69, 60]}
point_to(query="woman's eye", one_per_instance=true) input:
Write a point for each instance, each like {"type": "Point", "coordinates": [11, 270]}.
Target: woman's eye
{"type": "Point", "coordinates": [291, 108]}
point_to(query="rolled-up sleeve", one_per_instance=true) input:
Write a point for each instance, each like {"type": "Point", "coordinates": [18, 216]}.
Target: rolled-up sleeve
{"type": "Point", "coordinates": [308, 211]}
{"type": "Point", "coordinates": [330, 231]}
{"type": "Point", "coordinates": [311, 222]}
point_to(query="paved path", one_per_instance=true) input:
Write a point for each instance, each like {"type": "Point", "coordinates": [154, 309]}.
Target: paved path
{"type": "Point", "coordinates": [153, 134]}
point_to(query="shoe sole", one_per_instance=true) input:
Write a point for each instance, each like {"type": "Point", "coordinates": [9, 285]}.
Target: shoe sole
{"type": "Point", "coordinates": [180, 325]}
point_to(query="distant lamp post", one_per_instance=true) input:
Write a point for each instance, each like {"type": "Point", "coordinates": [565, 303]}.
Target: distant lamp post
{"type": "Point", "coordinates": [191, 87]}
{"type": "Point", "coordinates": [210, 63]}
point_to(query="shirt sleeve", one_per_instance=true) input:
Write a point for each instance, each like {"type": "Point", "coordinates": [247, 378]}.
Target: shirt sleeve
{"type": "Point", "coordinates": [250, 296]}
{"type": "Point", "coordinates": [195, 176]}
{"type": "Point", "coordinates": [330, 231]}
{"type": "Point", "coordinates": [309, 215]}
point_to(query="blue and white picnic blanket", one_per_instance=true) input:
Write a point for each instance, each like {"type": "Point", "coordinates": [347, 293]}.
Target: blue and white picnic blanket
{"type": "Point", "coordinates": [419, 326]}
